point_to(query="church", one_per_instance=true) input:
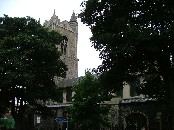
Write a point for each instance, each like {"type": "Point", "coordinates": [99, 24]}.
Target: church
{"type": "Point", "coordinates": [124, 108]}
{"type": "Point", "coordinates": [68, 49]}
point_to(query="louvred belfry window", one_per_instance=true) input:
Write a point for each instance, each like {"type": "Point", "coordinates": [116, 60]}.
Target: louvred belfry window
{"type": "Point", "coordinates": [64, 45]}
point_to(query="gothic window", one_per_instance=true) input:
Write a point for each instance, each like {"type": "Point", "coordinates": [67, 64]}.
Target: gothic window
{"type": "Point", "coordinates": [53, 26]}
{"type": "Point", "coordinates": [64, 45]}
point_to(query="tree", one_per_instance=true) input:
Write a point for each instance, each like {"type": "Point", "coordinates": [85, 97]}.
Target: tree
{"type": "Point", "coordinates": [135, 38]}
{"type": "Point", "coordinates": [29, 60]}
{"type": "Point", "coordinates": [86, 109]}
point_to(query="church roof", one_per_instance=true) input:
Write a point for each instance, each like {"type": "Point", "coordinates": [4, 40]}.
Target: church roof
{"type": "Point", "coordinates": [137, 100]}
{"type": "Point", "coordinates": [68, 82]}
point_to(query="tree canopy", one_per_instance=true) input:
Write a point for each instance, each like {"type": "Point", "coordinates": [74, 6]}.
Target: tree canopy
{"type": "Point", "coordinates": [86, 109]}
{"type": "Point", "coordinates": [29, 60]}
{"type": "Point", "coordinates": [135, 38]}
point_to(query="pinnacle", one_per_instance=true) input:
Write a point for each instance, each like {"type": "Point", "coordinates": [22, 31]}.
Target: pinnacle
{"type": "Point", "coordinates": [73, 17]}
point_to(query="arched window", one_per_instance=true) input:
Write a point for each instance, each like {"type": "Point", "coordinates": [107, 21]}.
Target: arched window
{"type": "Point", "coordinates": [64, 45]}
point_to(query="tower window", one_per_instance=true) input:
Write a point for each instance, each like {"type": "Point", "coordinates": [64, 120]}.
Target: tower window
{"type": "Point", "coordinates": [64, 45]}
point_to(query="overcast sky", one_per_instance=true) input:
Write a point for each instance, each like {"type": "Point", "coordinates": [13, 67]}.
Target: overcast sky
{"type": "Point", "coordinates": [43, 9]}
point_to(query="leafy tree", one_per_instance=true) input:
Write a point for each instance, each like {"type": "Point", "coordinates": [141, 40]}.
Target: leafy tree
{"type": "Point", "coordinates": [135, 38]}
{"type": "Point", "coordinates": [29, 60]}
{"type": "Point", "coordinates": [86, 109]}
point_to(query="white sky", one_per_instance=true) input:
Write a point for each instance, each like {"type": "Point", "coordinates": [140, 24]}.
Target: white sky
{"type": "Point", "coordinates": [43, 9]}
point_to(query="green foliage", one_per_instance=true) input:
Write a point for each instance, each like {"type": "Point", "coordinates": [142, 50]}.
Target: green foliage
{"type": "Point", "coordinates": [134, 37]}
{"type": "Point", "coordinates": [87, 111]}
{"type": "Point", "coordinates": [29, 60]}
{"type": "Point", "coordinates": [7, 123]}
{"type": "Point", "coordinates": [155, 84]}
{"type": "Point", "coordinates": [135, 40]}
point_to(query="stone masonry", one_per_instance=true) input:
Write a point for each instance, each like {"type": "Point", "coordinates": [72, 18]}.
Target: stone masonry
{"type": "Point", "coordinates": [68, 47]}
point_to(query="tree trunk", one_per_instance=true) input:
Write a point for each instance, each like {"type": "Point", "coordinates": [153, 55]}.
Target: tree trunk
{"type": "Point", "coordinates": [13, 107]}
{"type": "Point", "coordinates": [168, 75]}
{"type": "Point", "coordinates": [171, 100]}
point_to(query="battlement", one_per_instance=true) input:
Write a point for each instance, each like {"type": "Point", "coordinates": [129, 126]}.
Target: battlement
{"type": "Point", "coordinates": [55, 22]}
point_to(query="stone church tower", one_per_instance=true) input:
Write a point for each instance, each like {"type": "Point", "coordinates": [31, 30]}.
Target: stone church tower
{"type": "Point", "coordinates": [68, 47]}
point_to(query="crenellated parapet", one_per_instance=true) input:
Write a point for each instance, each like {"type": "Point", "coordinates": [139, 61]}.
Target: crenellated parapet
{"type": "Point", "coordinates": [55, 22]}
